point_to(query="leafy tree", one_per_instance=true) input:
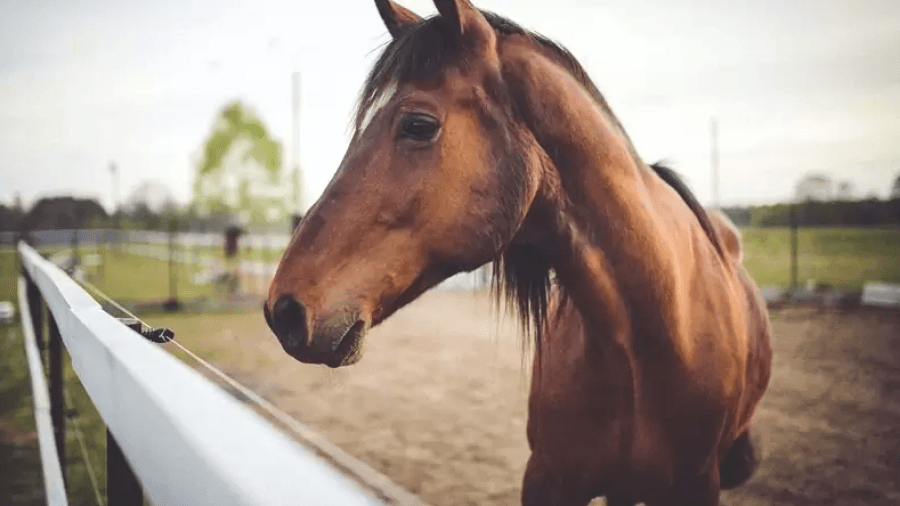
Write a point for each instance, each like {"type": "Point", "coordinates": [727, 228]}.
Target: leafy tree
{"type": "Point", "coordinates": [10, 217]}
{"type": "Point", "coordinates": [239, 172]}
{"type": "Point", "coordinates": [895, 190]}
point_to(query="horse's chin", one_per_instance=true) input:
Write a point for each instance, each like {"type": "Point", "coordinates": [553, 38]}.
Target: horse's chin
{"type": "Point", "coordinates": [350, 350]}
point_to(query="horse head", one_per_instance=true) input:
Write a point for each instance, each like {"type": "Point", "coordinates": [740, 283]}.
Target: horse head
{"type": "Point", "coordinates": [438, 179]}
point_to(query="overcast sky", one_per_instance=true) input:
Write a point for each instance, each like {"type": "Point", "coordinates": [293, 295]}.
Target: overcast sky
{"type": "Point", "coordinates": [797, 86]}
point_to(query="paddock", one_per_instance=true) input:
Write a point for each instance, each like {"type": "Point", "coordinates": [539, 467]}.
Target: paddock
{"type": "Point", "coordinates": [438, 403]}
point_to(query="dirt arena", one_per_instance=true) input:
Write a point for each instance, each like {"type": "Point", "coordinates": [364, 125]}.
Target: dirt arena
{"type": "Point", "coordinates": [438, 402]}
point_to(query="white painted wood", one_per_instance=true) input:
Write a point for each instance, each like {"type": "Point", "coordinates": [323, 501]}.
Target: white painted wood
{"type": "Point", "coordinates": [188, 441]}
{"type": "Point", "coordinates": [881, 294]}
{"type": "Point", "coordinates": [54, 486]}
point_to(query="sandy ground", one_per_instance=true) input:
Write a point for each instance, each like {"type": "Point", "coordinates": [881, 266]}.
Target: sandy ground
{"type": "Point", "coordinates": [438, 402]}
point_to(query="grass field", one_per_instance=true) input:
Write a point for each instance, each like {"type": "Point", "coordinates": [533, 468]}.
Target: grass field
{"type": "Point", "coordinates": [843, 257]}
{"type": "Point", "coordinates": [131, 277]}
{"type": "Point", "coordinates": [127, 277]}
{"type": "Point", "coordinates": [20, 481]}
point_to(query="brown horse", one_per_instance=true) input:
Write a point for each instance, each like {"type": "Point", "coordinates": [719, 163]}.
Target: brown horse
{"type": "Point", "coordinates": [478, 141]}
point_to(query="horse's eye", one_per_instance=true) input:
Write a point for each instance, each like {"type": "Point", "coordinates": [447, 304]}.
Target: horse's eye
{"type": "Point", "coordinates": [418, 127]}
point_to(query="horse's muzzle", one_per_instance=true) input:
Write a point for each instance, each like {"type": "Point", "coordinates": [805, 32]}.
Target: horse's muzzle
{"type": "Point", "coordinates": [335, 339]}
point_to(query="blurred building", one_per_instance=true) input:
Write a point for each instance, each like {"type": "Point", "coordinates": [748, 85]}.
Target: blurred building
{"type": "Point", "coordinates": [814, 187]}
{"type": "Point", "coordinates": [153, 195]}
{"type": "Point", "coordinates": [844, 191]}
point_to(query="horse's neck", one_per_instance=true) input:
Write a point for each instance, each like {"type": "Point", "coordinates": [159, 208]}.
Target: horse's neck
{"type": "Point", "coordinates": [616, 258]}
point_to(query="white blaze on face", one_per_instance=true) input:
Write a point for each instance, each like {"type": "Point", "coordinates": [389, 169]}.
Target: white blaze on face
{"type": "Point", "coordinates": [380, 101]}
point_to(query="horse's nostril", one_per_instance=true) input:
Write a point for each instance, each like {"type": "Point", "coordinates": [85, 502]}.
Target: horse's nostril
{"type": "Point", "coordinates": [288, 320]}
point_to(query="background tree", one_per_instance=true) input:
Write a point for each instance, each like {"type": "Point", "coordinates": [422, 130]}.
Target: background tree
{"type": "Point", "coordinates": [239, 171]}
{"type": "Point", "coordinates": [11, 217]}
{"type": "Point", "coordinates": [65, 213]}
{"type": "Point", "coordinates": [895, 190]}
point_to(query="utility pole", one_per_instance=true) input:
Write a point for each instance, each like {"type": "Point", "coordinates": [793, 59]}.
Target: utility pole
{"type": "Point", "coordinates": [114, 177]}
{"type": "Point", "coordinates": [296, 173]}
{"type": "Point", "coordinates": [714, 161]}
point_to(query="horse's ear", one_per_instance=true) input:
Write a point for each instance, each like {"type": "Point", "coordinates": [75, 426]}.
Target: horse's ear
{"type": "Point", "coordinates": [464, 19]}
{"type": "Point", "coordinates": [396, 17]}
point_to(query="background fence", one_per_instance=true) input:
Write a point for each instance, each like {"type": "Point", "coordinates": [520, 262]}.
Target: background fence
{"type": "Point", "coordinates": [169, 268]}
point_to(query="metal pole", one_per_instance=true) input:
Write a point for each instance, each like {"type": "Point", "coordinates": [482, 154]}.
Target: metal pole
{"type": "Point", "coordinates": [173, 282]}
{"type": "Point", "coordinates": [57, 405]}
{"type": "Point", "coordinates": [714, 133]}
{"type": "Point", "coordinates": [794, 269]}
{"type": "Point", "coordinates": [296, 173]}
{"type": "Point", "coordinates": [295, 142]}
{"type": "Point", "coordinates": [172, 304]}
{"type": "Point", "coordinates": [74, 250]}
{"type": "Point", "coordinates": [117, 225]}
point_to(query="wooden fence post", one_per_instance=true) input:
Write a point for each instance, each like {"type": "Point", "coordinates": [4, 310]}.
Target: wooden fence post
{"type": "Point", "coordinates": [57, 403]}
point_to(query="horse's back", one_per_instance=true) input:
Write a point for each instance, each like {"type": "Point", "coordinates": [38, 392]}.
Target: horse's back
{"type": "Point", "coordinates": [740, 458]}
{"type": "Point", "coordinates": [729, 235]}
{"type": "Point", "coordinates": [756, 315]}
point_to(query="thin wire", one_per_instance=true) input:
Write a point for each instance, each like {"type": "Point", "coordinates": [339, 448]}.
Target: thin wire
{"type": "Point", "coordinates": [107, 298]}
{"type": "Point", "coordinates": [284, 418]}
{"type": "Point", "coordinates": [309, 437]}
{"type": "Point", "coordinates": [84, 454]}
{"type": "Point", "coordinates": [270, 408]}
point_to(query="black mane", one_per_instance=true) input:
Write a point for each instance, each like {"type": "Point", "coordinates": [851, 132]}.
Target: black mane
{"type": "Point", "coordinates": [423, 49]}
{"type": "Point", "coordinates": [674, 180]}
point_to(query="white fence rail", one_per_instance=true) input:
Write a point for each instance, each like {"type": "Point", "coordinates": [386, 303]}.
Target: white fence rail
{"type": "Point", "coordinates": [187, 440]}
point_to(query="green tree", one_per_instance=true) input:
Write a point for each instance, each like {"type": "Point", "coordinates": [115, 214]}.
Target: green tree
{"type": "Point", "coordinates": [895, 190]}
{"type": "Point", "coordinates": [239, 171]}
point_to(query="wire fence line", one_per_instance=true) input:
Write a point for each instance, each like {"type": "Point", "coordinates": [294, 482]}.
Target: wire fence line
{"type": "Point", "coordinates": [206, 447]}
{"type": "Point", "coordinates": [76, 426]}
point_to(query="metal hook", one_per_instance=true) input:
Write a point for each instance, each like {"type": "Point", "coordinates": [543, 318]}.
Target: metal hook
{"type": "Point", "coordinates": [156, 335]}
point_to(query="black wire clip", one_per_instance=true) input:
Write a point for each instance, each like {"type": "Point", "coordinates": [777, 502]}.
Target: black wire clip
{"type": "Point", "coordinates": [157, 335]}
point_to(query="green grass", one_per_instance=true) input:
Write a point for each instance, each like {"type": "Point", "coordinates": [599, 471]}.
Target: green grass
{"type": "Point", "coordinates": [9, 273]}
{"type": "Point", "coordinates": [20, 478]}
{"type": "Point", "coordinates": [129, 277]}
{"type": "Point", "coordinates": [133, 278]}
{"type": "Point", "coordinates": [843, 257]}
{"type": "Point", "coordinates": [270, 254]}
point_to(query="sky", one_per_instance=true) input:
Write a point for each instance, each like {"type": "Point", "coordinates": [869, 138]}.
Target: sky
{"type": "Point", "coordinates": [795, 86]}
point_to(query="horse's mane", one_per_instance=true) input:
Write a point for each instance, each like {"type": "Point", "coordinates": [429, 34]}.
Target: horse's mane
{"type": "Point", "coordinates": [422, 50]}
{"type": "Point", "coordinates": [419, 52]}
{"type": "Point", "coordinates": [674, 180]}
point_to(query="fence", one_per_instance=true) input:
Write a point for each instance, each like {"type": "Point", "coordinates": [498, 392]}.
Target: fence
{"type": "Point", "coordinates": [194, 258]}
{"type": "Point", "coordinates": [181, 439]}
